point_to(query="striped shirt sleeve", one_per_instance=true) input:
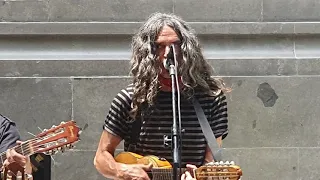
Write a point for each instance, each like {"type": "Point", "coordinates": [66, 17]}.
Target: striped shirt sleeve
{"type": "Point", "coordinates": [117, 117]}
{"type": "Point", "coordinates": [219, 120]}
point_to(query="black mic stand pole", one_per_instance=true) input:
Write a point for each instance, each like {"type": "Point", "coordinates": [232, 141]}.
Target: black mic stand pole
{"type": "Point", "coordinates": [175, 134]}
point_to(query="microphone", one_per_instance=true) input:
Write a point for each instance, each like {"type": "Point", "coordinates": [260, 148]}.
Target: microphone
{"type": "Point", "coordinates": [170, 58]}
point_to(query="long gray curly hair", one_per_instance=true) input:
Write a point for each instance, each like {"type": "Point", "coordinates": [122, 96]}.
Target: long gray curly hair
{"type": "Point", "coordinates": [145, 65]}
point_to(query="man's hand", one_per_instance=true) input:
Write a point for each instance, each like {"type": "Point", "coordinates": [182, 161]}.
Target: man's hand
{"type": "Point", "coordinates": [134, 171]}
{"type": "Point", "coordinates": [14, 157]}
{"type": "Point", "coordinates": [187, 175]}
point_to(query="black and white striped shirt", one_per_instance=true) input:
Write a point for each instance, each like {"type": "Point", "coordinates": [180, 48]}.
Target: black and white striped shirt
{"type": "Point", "coordinates": [158, 122]}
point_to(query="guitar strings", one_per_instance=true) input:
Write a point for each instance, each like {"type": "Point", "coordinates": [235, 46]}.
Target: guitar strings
{"type": "Point", "coordinates": [27, 146]}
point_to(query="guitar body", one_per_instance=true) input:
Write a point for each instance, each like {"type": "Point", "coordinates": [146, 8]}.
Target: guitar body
{"type": "Point", "coordinates": [133, 158]}
{"type": "Point", "coordinates": [162, 169]}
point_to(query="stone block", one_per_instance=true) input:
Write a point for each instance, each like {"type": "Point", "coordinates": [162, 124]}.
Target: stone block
{"type": "Point", "coordinates": [219, 10]}
{"type": "Point", "coordinates": [273, 112]}
{"type": "Point", "coordinates": [308, 163]}
{"type": "Point", "coordinates": [307, 47]}
{"type": "Point", "coordinates": [265, 163]}
{"type": "Point", "coordinates": [241, 47]}
{"type": "Point", "coordinates": [57, 68]}
{"type": "Point", "coordinates": [65, 48]}
{"type": "Point", "coordinates": [92, 99]}
{"type": "Point", "coordinates": [105, 10]}
{"type": "Point", "coordinates": [308, 66]}
{"type": "Point", "coordinates": [291, 10]}
{"type": "Point", "coordinates": [22, 11]}
{"type": "Point", "coordinates": [35, 102]}
{"type": "Point", "coordinates": [75, 165]}
{"type": "Point", "coordinates": [254, 67]}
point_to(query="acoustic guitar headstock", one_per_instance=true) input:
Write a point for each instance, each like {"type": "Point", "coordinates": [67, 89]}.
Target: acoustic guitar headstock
{"type": "Point", "coordinates": [57, 138]}
{"type": "Point", "coordinates": [50, 141]}
{"type": "Point", "coordinates": [219, 170]}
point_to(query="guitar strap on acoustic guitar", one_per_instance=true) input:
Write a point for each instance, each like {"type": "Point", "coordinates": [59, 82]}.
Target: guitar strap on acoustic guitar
{"type": "Point", "coordinates": [207, 131]}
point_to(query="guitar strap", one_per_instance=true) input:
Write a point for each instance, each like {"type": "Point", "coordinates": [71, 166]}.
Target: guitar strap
{"type": "Point", "coordinates": [207, 131]}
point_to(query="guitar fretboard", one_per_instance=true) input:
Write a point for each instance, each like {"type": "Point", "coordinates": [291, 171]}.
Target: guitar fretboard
{"type": "Point", "coordinates": [166, 173]}
{"type": "Point", "coordinates": [26, 149]}
{"type": "Point", "coordinates": [163, 173]}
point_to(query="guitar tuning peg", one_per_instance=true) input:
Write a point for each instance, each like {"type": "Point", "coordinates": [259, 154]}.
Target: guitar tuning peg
{"type": "Point", "coordinates": [69, 146]}
{"type": "Point", "coordinates": [210, 163]}
{"type": "Point", "coordinates": [53, 126]}
{"type": "Point", "coordinates": [227, 163]}
{"type": "Point", "coordinates": [62, 122]}
{"type": "Point", "coordinates": [62, 149]}
{"type": "Point", "coordinates": [45, 130]}
{"type": "Point", "coordinates": [221, 163]}
{"type": "Point", "coordinates": [51, 152]}
{"type": "Point", "coordinates": [232, 163]}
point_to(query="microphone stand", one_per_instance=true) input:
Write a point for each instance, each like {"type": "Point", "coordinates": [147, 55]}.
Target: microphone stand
{"type": "Point", "coordinates": [175, 139]}
{"type": "Point", "coordinates": [176, 142]}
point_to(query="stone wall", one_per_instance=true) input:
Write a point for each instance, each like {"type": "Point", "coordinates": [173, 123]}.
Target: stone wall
{"type": "Point", "coordinates": [67, 59]}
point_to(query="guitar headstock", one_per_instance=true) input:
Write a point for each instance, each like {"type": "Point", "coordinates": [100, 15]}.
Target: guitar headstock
{"type": "Point", "coordinates": [219, 170]}
{"type": "Point", "coordinates": [57, 138]}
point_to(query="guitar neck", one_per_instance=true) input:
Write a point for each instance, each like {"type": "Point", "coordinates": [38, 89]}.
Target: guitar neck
{"type": "Point", "coordinates": [163, 173]}
{"type": "Point", "coordinates": [26, 149]}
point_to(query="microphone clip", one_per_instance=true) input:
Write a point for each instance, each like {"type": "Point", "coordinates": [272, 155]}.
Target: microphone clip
{"type": "Point", "coordinates": [169, 61]}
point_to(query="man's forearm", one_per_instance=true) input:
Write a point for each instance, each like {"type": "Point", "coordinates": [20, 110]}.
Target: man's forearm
{"type": "Point", "coordinates": [106, 165]}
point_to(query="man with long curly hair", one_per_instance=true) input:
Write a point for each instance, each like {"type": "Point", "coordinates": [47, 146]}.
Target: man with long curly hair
{"type": "Point", "coordinates": [148, 100]}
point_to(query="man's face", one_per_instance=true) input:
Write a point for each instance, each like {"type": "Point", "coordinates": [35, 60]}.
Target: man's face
{"type": "Point", "coordinates": [167, 36]}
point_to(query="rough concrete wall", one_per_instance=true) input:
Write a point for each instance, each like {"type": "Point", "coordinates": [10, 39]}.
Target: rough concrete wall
{"type": "Point", "coordinates": [67, 59]}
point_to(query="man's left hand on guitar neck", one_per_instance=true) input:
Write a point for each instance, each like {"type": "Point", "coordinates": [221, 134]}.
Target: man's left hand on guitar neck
{"type": "Point", "coordinates": [14, 157]}
{"type": "Point", "coordinates": [16, 162]}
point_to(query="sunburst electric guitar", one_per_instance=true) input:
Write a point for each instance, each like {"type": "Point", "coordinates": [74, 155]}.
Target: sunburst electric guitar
{"type": "Point", "coordinates": [162, 169]}
{"type": "Point", "coordinates": [50, 141]}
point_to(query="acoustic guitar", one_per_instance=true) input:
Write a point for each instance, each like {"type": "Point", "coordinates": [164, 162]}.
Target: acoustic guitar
{"type": "Point", "coordinates": [50, 141]}
{"type": "Point", "coordinates": [162, 169]}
